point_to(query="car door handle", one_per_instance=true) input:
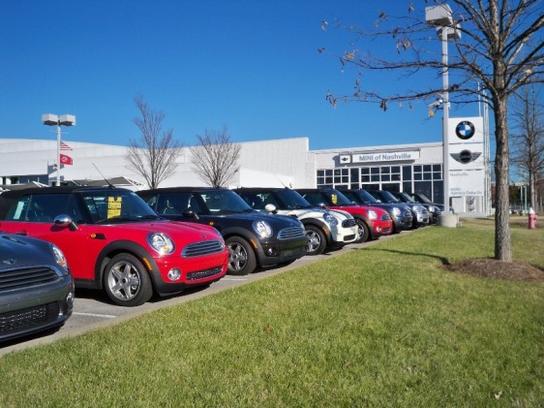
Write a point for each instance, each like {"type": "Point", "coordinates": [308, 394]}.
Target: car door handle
{"type": "Point", "coordinates": [21, 233]}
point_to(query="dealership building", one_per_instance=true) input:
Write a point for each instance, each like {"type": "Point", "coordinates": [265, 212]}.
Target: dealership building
{"type": "Point", "coordinates": [269, 163]}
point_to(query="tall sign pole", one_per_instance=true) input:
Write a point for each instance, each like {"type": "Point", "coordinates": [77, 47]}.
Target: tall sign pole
{"type": "Point", "coordinates": [50, 119]}
{"type": "Point", "coordinates": [446, 116]}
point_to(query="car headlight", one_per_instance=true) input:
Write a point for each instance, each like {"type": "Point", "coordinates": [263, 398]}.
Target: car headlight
{"type": "Point", "coordinates": [396, 211]}
{"type": "Point", "coordinates": [416, 208]}
{"type": "Point", "coordinates": [161, 243]}
{"type": "Point", "coordinates": [330, 219]}
{"type": "Point", "coordinates": [60, 259]}
{"type": "Point", "coordinates": [372, 215]}
{"type": "Point", "coordinates": [262, 229]}
{"type": "Point", "coordinates": [432, 208]}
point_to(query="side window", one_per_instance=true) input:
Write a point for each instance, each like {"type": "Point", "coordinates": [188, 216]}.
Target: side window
{"type": "Point", "coordinates": [45, 207]}
{"type": "Point", "coordinates": [175, 203]}
{"type": "Point", "coordinates": [151, 200]}
{"type": "Point", "coordinates": [18, 209]}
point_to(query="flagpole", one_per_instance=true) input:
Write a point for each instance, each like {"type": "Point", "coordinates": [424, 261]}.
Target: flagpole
{"type": "Point", "coordinates": [58, 154]}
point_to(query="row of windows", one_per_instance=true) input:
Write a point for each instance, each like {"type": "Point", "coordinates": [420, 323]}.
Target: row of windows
{"type": "Point", "coordinates": [379, 174]}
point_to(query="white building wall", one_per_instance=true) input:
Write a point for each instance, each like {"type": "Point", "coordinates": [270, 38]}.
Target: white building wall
{"type": "Point", "coordinates": [273, 162]}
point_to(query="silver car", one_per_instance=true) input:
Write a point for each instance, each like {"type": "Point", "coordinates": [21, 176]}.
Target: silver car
{"type": "Point", "coordinates": [36, 288]}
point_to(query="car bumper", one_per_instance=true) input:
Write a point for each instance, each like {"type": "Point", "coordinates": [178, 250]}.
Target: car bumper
{"type": "Point", "coordinates": [381, 227]}
{"type": "Point", "coordinates": [404, 222]}
{"type": "Point", "coordinates": [271, 253]}
{"type": "Point", "coordinates": [422, 218]}
{"type": "Point", "coordinates": [195, 271]}
{"type": "Point", "coordinates": [342, 235]}
{"type": "Point", "coordinates": [30, 310]}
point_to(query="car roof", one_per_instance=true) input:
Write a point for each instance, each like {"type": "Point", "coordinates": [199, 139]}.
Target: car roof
{"type": "Point", "coordinates": [183, 190]}
{"type": "Point", "coordinates": [58, 190]}
{"type": "Point", "coordinates": [262, 189]}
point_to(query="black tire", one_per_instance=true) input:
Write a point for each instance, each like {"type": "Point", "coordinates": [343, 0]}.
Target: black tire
{"type": "Point", "coordinates": [242, 258]}
{"type": "Point", "coordinates": [127, 273]}
{"type": "Point", "coordinates": [364, 231]}
{"type": "Point", "coordinates": [317, 241]}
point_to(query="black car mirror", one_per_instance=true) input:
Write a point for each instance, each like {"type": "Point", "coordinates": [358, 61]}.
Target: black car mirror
{"type": "Point", "coordinates": [271, 208]}
{"type": "Point", "coordinates": [63, 221]}
{"type": "Point", "coordinates": [190, 214]}
{"type": "Point", "coordinates": [322, 205]}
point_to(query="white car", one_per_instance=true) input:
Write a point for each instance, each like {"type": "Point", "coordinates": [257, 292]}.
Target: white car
{"type": "Point", "coordinates": [325, 229]}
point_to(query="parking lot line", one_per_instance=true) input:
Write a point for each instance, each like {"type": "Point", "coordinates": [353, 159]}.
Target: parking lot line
{"type": "Point", "coordinates": [104, 316]}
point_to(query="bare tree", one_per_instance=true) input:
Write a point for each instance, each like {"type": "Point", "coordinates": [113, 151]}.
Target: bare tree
{"type": "Point", "coordinates": [528, 142]}
{"type": "Point", "coordinates": [154, 154]}
{"type": "Point", "coordinates": [501, 47]}
{"type": "Point", "coordinates": [215, 157]}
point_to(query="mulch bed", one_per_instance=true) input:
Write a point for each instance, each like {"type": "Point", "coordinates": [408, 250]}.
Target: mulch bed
{"type": "Point", "coordinates": [491, 268]}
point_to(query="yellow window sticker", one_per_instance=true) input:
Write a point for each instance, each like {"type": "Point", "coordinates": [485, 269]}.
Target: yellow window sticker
{"type": "Point", "coordinates": [334, 198]}
{"type": "Point", "coordinates": [114, 206]}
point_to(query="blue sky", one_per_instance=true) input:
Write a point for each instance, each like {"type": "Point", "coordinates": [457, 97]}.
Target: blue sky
{"type": "Point", "coordinates": [250, 65]}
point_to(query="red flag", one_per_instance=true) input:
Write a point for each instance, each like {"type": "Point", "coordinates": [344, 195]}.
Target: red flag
{"type": "Point", "coordinates": [66, 160]}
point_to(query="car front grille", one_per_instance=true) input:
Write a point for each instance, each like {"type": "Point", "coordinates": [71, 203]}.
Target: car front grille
{"type": "Point", "coordinates": [29, 318]}
{"type": "Point", "coordinates": [24, 278]}
{"type": "Point", "coordinates": [349, 237]}
{"type": "Point", "coordinates": [202, 248]}
{"type": "Point", "coordinates": [291, 233]}
{"type": "Point", "coordinates": [349, 223]}
{"type": "Point", "coordinates": [203, 274]}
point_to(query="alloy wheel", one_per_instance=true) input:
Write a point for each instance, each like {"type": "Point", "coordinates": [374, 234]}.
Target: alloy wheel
{"type": "Point", "coordinates": [124, 280]}
{"type": "Point", "coordinates": [237, 256]}
{"type": "Point", "coordinates": [314, 241]}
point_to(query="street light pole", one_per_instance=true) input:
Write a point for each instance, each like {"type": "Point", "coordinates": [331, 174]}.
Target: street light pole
{"type": "Point", "coordinates": [446, 116]}
{"type": "Point", "coordinates": [50, 119]}
{"type": "Point", "coordinates": [58, 153]}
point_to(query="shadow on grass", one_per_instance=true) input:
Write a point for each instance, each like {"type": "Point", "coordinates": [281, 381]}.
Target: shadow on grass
{"type": "Point", "coordinates": [442, 259]}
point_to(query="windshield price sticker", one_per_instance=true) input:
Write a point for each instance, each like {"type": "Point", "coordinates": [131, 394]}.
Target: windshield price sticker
{"type": "Point", "coordinates": [114, 206]}
{"type": "Point", "coordinates": [334, 199]}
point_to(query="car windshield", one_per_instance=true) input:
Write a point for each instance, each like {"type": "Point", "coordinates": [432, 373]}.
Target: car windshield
{"type": "Point", "coordinates": [224, 202]}
{"type": "Point", "coordinates": [291, 200]}
{"type": "Point", "coordinates": [385, 196]}
{"type": "Point", "coordinates": [117, 206]}
{"type": "Point", "coordinates": [337, 198]}
{"type": "Point", "coordinates": [422, 198]}
{"type": "Point", "coordinates": [405, 197]}
{"type": "Point", "coordinates": [361, 197]}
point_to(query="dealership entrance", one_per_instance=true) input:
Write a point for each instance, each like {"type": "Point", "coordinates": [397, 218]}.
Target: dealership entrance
{"type": "Point", "coordinates": [410, 178]}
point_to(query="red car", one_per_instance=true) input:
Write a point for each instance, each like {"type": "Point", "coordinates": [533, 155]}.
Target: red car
{"type": "Point", "coordinates": [372, 221]}
{"type": "Point", "coordinates": [114, 241]}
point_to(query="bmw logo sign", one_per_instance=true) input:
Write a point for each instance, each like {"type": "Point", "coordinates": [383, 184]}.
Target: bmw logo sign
{"type": "Point", "coordinates": [464, 130]}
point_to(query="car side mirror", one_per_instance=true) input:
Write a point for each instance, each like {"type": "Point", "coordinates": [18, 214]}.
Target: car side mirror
{"type": "Point", "coordinates": [190, 214]}
{"type": "Point", "coordinates": [322, 205]}
{"type": "Point", "coordinates": [63, 221]}
{"type": "Point", "coordinates": [271, 208]}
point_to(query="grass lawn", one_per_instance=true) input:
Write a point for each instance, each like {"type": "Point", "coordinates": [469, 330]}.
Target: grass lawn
{"type": "Point", "coordinates": [381, 326]}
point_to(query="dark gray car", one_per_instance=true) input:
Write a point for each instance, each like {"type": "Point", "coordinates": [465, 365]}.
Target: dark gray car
{"type": "Point", "coordinates": [36, 288]}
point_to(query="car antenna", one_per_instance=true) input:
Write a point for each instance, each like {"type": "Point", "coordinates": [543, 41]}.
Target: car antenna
{"type": "Point", "coordinates": [105, 179]}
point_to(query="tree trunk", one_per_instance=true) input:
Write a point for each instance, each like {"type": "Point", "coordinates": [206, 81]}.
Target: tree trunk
{"type": "Point", "coordinates": [503, 246]}
{"type": "Point", "coordinates": [532, 188]}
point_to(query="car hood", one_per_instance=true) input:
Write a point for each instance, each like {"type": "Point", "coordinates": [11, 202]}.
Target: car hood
{"type": "Point", "coordinates": [318, 213]}
{"type": "Point", "coordinates": [16, 252]}
{"type": "Point", "coordinates": [179, 231]}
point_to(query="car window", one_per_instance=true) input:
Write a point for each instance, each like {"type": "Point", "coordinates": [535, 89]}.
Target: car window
{"type": "Point", "coordinates": [260, 200]}
{"type": "Point", "coordinates": [315, 198]}
{"type": "Point", "coordinates": [178, 203]}
{"type": "Point", "coordinates": [44, 208]}
{"type": "Point", "coordinates": [119, 205]}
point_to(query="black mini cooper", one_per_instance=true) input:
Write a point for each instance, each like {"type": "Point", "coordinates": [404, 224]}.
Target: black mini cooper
{"type": "Point", "coordinates": [254, 239]}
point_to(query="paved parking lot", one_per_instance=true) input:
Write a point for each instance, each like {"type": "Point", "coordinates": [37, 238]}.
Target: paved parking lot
{"type": "Point", "coordinates": [92, 309]}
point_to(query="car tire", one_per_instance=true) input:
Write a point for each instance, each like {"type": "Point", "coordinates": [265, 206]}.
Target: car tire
{"type": "Point", "coordinates": [317, 241]}
{"type": "Point", "coordinates": [126, 281]}
{"type": "Point", "coordinates": [242, 259]}
{"type": "Point", "coordinates": [364, 231]}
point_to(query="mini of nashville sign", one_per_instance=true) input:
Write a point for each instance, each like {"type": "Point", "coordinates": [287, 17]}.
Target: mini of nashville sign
{"type": "Point", "coordinates": [379, 157]}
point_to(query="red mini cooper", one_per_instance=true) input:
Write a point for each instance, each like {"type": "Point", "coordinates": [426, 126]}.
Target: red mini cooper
{"type": "Point", "coordinates": [114, 241]}
{"type": "Point", "coordinates": [372, 221]}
